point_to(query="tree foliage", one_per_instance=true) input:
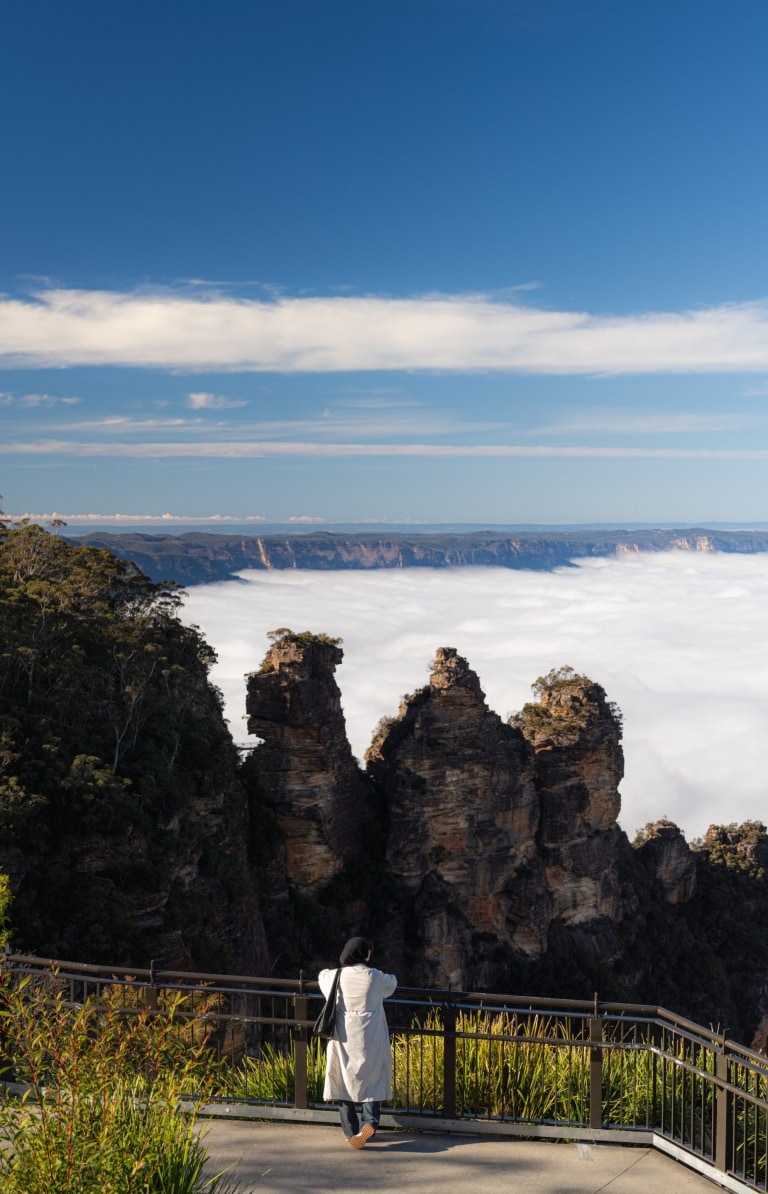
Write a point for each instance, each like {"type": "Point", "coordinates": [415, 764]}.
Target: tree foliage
{"type": "Point", "coordinates": [302, 638]}
{"type": "Point", "coordinates": [107, 722]}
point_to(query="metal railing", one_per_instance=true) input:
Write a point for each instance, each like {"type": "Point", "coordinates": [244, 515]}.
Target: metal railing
{"type": "Point", "coordinates": [524, 1065]}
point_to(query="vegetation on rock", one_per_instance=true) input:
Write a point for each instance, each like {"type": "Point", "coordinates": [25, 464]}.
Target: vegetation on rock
{"type": "Point", "coordinates": [301, 638]}
{"type": "Point", "coordinates": [567, 704]}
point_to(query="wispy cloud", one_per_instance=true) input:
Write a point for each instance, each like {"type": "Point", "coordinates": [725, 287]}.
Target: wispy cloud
{"type": "Point", "coordinates": [240, 450]}
{"type": "Point", "coordinates": [126, 424]}
{"type": "Point", "coordinates": [200, 400]}
{"type": "Point", "coordinates": [463, 333]}
{"type": "Point", "coordinates": [381, 401]}
{"type": "Point", "coordinates": [757, 391]}
{"type": "Point", "coordinates": [643, 423]}
{"type": "Point", "coordinates": [160, 519]}
{"type": "Point", "coordinates": [31, 401]}
{"type": "Point", "coordinates": [359, 424]}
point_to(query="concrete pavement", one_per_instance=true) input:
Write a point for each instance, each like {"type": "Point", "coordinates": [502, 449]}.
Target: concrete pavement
{"type": "Point", "coordinates": [290, 1158]}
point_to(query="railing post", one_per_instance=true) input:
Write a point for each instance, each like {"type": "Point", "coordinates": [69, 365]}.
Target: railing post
{"type": "Point", "coordinates": [300, 1012]}
{"type": "Point", "coordinates": [595, 1070]}
{"type": "Point", "coordinates": [449, 1061]}
{"type": "Point", "coordinates": [150, 991]}
{"type": "Point", "coordinates": [723, 1157]}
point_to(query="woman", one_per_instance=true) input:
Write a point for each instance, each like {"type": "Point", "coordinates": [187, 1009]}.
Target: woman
{"type": "Point", "coordinates": [359, 1062]}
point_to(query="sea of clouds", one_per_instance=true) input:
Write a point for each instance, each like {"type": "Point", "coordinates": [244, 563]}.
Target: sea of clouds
{"type": "Point", "coordinates": [677, 640]}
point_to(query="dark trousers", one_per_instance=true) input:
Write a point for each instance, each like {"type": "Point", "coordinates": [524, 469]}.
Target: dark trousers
{"type": "Point", "coordinates": [371, 1110]}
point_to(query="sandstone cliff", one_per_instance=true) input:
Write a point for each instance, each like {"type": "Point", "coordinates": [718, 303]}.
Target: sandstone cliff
{"type": "Point", "coordinates": [304, 763]}
{"type": "Point", "coordinates": [201, 557]}
{"type": "Point", "coordinates": [730, 908]}
{"type": "Point", "coordinates": [662, 848]}
{"type": "Point", "coordinates": [325, 844]}
{"type": "Point", "coordinates": [575, 733]}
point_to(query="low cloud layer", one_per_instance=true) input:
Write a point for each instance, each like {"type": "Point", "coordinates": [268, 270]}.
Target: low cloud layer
{"type": "Point", "coordinates": [677, 640]}
{"type": "Point", "coordinates": [464, 332]}
{"type": "Point", "coordinates": [237, 450]}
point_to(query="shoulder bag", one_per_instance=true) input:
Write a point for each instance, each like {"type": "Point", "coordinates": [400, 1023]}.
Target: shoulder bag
{"type": "Point", "coordinates": [326, 1022]}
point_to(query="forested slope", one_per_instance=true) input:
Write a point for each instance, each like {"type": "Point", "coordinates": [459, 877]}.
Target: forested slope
{"type": "Point", "coordinates": [123, 820]}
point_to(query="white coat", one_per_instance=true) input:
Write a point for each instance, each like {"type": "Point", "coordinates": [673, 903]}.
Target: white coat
{"type": "Point", "coordinates": [359, 1060]}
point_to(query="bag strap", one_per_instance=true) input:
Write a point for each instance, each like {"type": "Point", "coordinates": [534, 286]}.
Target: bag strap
{"type": "Point", "coordinates": [334, 988]}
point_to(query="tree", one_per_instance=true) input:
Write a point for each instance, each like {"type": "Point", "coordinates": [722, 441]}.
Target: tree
{"type": "Point", "coordinates": [109, 727]}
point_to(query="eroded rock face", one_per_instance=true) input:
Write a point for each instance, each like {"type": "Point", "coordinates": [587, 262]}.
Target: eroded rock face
{"type": "Point", "coordinates": [670, 858]}
{"type": "Point", "coordinates": [462, 813]}
{"type": "Point", "coordinates": [576, 736]}
{"type": "Point", "coordinates": [304, 765]}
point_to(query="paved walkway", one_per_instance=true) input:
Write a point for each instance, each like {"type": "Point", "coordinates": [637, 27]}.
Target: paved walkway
{"type": "Point", "coordinates": [290, 1158]}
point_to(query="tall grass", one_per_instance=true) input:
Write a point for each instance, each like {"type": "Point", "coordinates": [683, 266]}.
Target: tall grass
{"type": "Point", "coordinates": [103, 1087]}
{"type": "Point", "coordinates": [271, 1077]}
{"type": "Point", "coordinates": [750, 1145]}
{"type": "Point", "coordinates": [505, 1067]}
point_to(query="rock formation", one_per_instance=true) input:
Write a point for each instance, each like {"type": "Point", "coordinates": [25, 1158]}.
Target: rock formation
{"type": "Point", "coordinates": [304, 764]}
{"type": "Point", "coordinates": [665, 851]}
{"type": "Point", "coordinates": [462, 813]}
{"type": "Point", "coordinates": [497, 835]}
{"type": "Point", "coordinates": [576, 735]}
{"type": "Point", "coordinates": [475, 852]}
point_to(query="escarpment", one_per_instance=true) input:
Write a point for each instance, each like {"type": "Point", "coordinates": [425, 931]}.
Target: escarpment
{"type": "Point", "coordinates": [202, 557]}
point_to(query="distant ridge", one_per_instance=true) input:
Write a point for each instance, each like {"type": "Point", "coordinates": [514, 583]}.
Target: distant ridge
{"type": "Point", "coordinates": [203, 557]}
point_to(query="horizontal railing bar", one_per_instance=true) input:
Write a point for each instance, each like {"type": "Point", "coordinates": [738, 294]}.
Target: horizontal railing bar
{"type": "Point", "coordinates": [134, 973]}
{"type": "Point", "coordinates": [216, 984]}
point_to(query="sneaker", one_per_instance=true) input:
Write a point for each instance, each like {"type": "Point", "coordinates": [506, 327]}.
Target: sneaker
{"type": "Point", "coordinates": [362, 1136]}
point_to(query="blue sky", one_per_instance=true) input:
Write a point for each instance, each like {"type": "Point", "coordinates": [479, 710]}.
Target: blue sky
{"type": "Point", "coordinates": [432, 260]}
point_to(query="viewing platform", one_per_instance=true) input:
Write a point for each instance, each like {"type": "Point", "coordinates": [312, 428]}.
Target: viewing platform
{"type": "Point", "coordinates": [285, 1158]}
{"type": "Point", "coordinates": [490, 1091]}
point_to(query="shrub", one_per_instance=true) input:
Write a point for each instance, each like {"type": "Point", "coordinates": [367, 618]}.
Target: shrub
{"type": "Point", "coordinates": [104, 1083]}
